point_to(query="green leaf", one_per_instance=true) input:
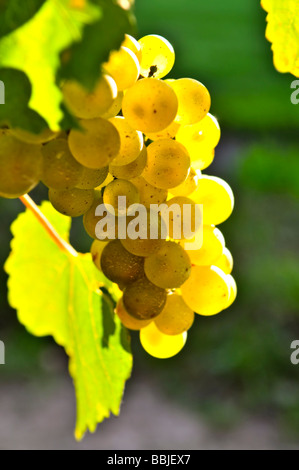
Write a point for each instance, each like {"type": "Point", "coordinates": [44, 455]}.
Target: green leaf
{"type": "Point", "coordinates": [14, 13]}
{"type": "Point", "coordinates": [58, 294]}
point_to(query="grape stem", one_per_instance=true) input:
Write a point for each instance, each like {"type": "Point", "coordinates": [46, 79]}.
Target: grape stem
{"type": "Point", "coordinates": [60, 242]}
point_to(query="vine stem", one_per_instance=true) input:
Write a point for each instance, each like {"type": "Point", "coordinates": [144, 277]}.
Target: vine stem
{"type": "Point", "coordinates": [60, 242]}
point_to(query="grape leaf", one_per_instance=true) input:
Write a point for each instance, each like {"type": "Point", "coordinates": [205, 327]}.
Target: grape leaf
{"type": "Point", "coordinates": [14, 13]}
{"type": "Point", "coordinates": [58, 294]}
{"type": "Point", "coordinates": [283, 32]}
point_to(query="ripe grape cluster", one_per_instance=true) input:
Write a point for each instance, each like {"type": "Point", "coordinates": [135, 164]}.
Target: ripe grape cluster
{"type": "Point", "coordinates": [147, 139]}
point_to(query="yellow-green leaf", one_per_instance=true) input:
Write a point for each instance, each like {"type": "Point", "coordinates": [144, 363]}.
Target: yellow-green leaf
{"type": "Point", "coordinates": [283, 32]}
{"type": "Point", "coordinates": [59, 294]}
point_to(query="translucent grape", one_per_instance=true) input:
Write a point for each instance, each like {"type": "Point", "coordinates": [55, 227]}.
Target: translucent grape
{"type": "Point", "coordinates": [131, 170]}
{"type": "Point", "coordinates": [216, 197]}
{"type": "Point", "coordinates": [194, 100]}
{"type": "Point", "coordinates": [96, 251]}
{"type": "Point", "coordinates": [176, 317]}
{"type": "Point", "coordinates": [232, 290]}
{"type": "Point", "coordinates": [96, 145]}
{"type": "Point", "coordinates": [72, 202]}
{"type": "Point", "coordinates": [20, 166]}
{"type": "Point", "coordinates": [148, 193]}
{"type": "Point", "coordinates": [199, 139]}
{"type": "Point", "coordinates": [225, 262]}
{"type": "Point", "coordinates": [115, 107]}
{"type": "Point", "coordinates": [210, 250]}
{"type": "Point", "coordinates": [207, 290]}
{"type": "Point", "coordinates": [159, 345]}
{"type": "Point", "coordinates": [189, 185]}
{"type": "Point", "coordinates": [131, 141]}
{"type": "Point", "coordinates": [143, 300]}
{"type": "Point", "coordinates": [167, 165]}
{"type": "Point", "coordinates": [203, 160]}
{"type": "Point", "coordinates": [30, 138]}
{"type": "Point", "coordinates": [132, 44]}
{"type": "Point", "coordinates": [127, 320]}
{"type": "Point", "coordinates": [117, 188]}
{"type": "Point", "coordinates": [167, 133]}
{"type": "Point", "coordinates": [89, 105]}
{"type": "Point", "coordinates": [169, 268]}
{"type": "Point", "coordinates": [90, 178]}
{"type": "Point", "coordinates": [150, 105]}
{"type": "Point", "coordinates": [124, 67]}
{"type": "Point", "coordinates": [59, 168]}
{"type": "Point", "coordinates": [185, 219]}
{"type": "Point", "coordinates": [157, 56]}
{"type": "Point", "coordinates": [119, 265]}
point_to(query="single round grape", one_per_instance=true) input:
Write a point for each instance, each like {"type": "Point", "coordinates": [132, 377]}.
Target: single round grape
{"type": "Point", "coordinates": [131, 170]}
{"type": "Point", "coordinates": [189, 185]}
{"type": "Point", "coordinates": [200, 138]}
{"type": "Point", "coordinates": [176, 317]}
{"type": "Point", "coordinates": [96, 144]}
{"type": "Point", "coordinates": [209, 251]}
{"type": "Point", "coordinates": [159, 345]}
{"type": "Point", "coordinates": [169, 268]}
{"type": "Point", "coordinates": [194, 100]}
{"type": "Point", "coordinates": [127, 320]}
{"type": "Point", "coordinates": [124, 67]}
{"type": "Point", "coordinates": [90, 179]}
{"type": "Point", "coordinates": [131, 141]}
{"type": "Point", "coordinates": [86, 104]}
{"type": "Point", "coordinates": [185, 219]}
{"type": "Point", "coordinates": [157, 56]}
{"type": "Point", "coordinates": [207, 290]}
{"type": "Point", "coordinates": [115, 107]}
{"type": "Point", "coordinates": [167, 165]}
{"type": "Point", "coordinates": [216, 197]}
{"type": "Point", "coordinates": [120, 188]}
{"type": "Point", "coordinates": [72, 202]}
{"type": "Point", "coordinates": [232, 290]}
{"type": "Point", "coordinates": [143, 300]}
{"type": "Point", "coordinates": [41, 138]}
{"type": "Point", "coordinates": [150, 105]}
{"type": "Point", "coordinates": [59, 168]}
{"type": "Point", "coordinates": [203, 160]}
{"type": "Point", "coordinates": [96, 251]}
{"type": "Point", "coordinates": [167, 133]}
{"type": "Point", "coordinates": [225, 262]}
{"type": "Point", "coordinates": [20, 165]}
{"type": "Point", "coordinates": [119, 265]}
{"type": "Point", "coordinates": [132, 44]}
{"type": "Point", "coordinates": [148, 193]}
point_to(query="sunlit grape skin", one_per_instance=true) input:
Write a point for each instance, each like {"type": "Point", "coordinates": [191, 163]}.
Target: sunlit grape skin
{"type": "Point", "coordinates": [176, 317]}
{"type": "Point", "coordinates": [159, 345]}
{"type": "Point", "coordinates": [157, 56]}
{"type": "Point", "coordinates": [127, 320]}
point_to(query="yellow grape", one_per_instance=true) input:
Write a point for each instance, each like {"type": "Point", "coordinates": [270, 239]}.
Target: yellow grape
{"type": "Point", "coordinates": [159, 345]}
{"type": "Point", "coordinates": [59, 168]}
{"type": "Point", "coordinates": [203, 160]}
{"type": "Point", "coordinates": [115, 107]}
{"type": "Point", "coordinates": [131, 142]}
{"type": "Point", "coordinates": [127, 320]}
{"type": "Point", "coordinates": [30, 138]}
{"type": "Point", "coordinates": [124, 68]}
{"type": "Point", "coordinates": [90, 219]}
{"type": "Point", "coordinates": [157, 56]}
{"type": "Point", "coordinates": [225, 262]}
{"type": "Point", "coordinates": [200, 138]}
{"type": "Point", "coordinates": [86, 104]}
{"type": "Point", "coordinates": [233, 290]}
{"type": "Point", "coordinates": [194, 100]}
{"type": "Point", "coordinates": [148, 193]}
{"type": "Point", "coordinates": [72, 202]}
{"type": "Point", "coordinates": [210, 249]}
{"type": "Point", "coordinates": [20, 164]}
{"type": "Point", "coordinates": [96, 250]}
{"type": "Point", "coordinates": [118, 188]}
{"type": "Point", "coordinates": [132, 44]}
{"type": "Point", "coordinates": [143, 300]}
{"type": "Point", "coordinates": [189, 185]}
{"type": "Point", "coordinates": [170, 267]}
{"type": "Point", "coordinates": [150, 105]}
{"type": "Point", "coordinates": [167, 133]}
{"type": "Point", "coordinates": [108, 180]}
{"type": "Point", "coordinates": [207, 290]}
{"type": "Point", "coordinates": [131, 170]}
{"type": "Point", "coordinates": [168, 164]}
{"type": "Point", "coordinates": [185, 219]}
{"type": "Point", "coordinates": [119, 265]}
{"type": "Point", "coordinates": [176, 317]}
{"type": "Point", "coordinates": [216, 197]}
{"type": "Point", "coordinates": [96, 144]}
{"type": "Point", "coordinates": [90, 179]}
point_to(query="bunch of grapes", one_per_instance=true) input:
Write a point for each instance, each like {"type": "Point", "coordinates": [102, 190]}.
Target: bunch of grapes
{"type": "Point", "coordinates": [147, 139]}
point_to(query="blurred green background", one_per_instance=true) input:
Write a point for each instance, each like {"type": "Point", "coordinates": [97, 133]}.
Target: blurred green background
{"type": "Point", "coordinates": [237, 363]}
